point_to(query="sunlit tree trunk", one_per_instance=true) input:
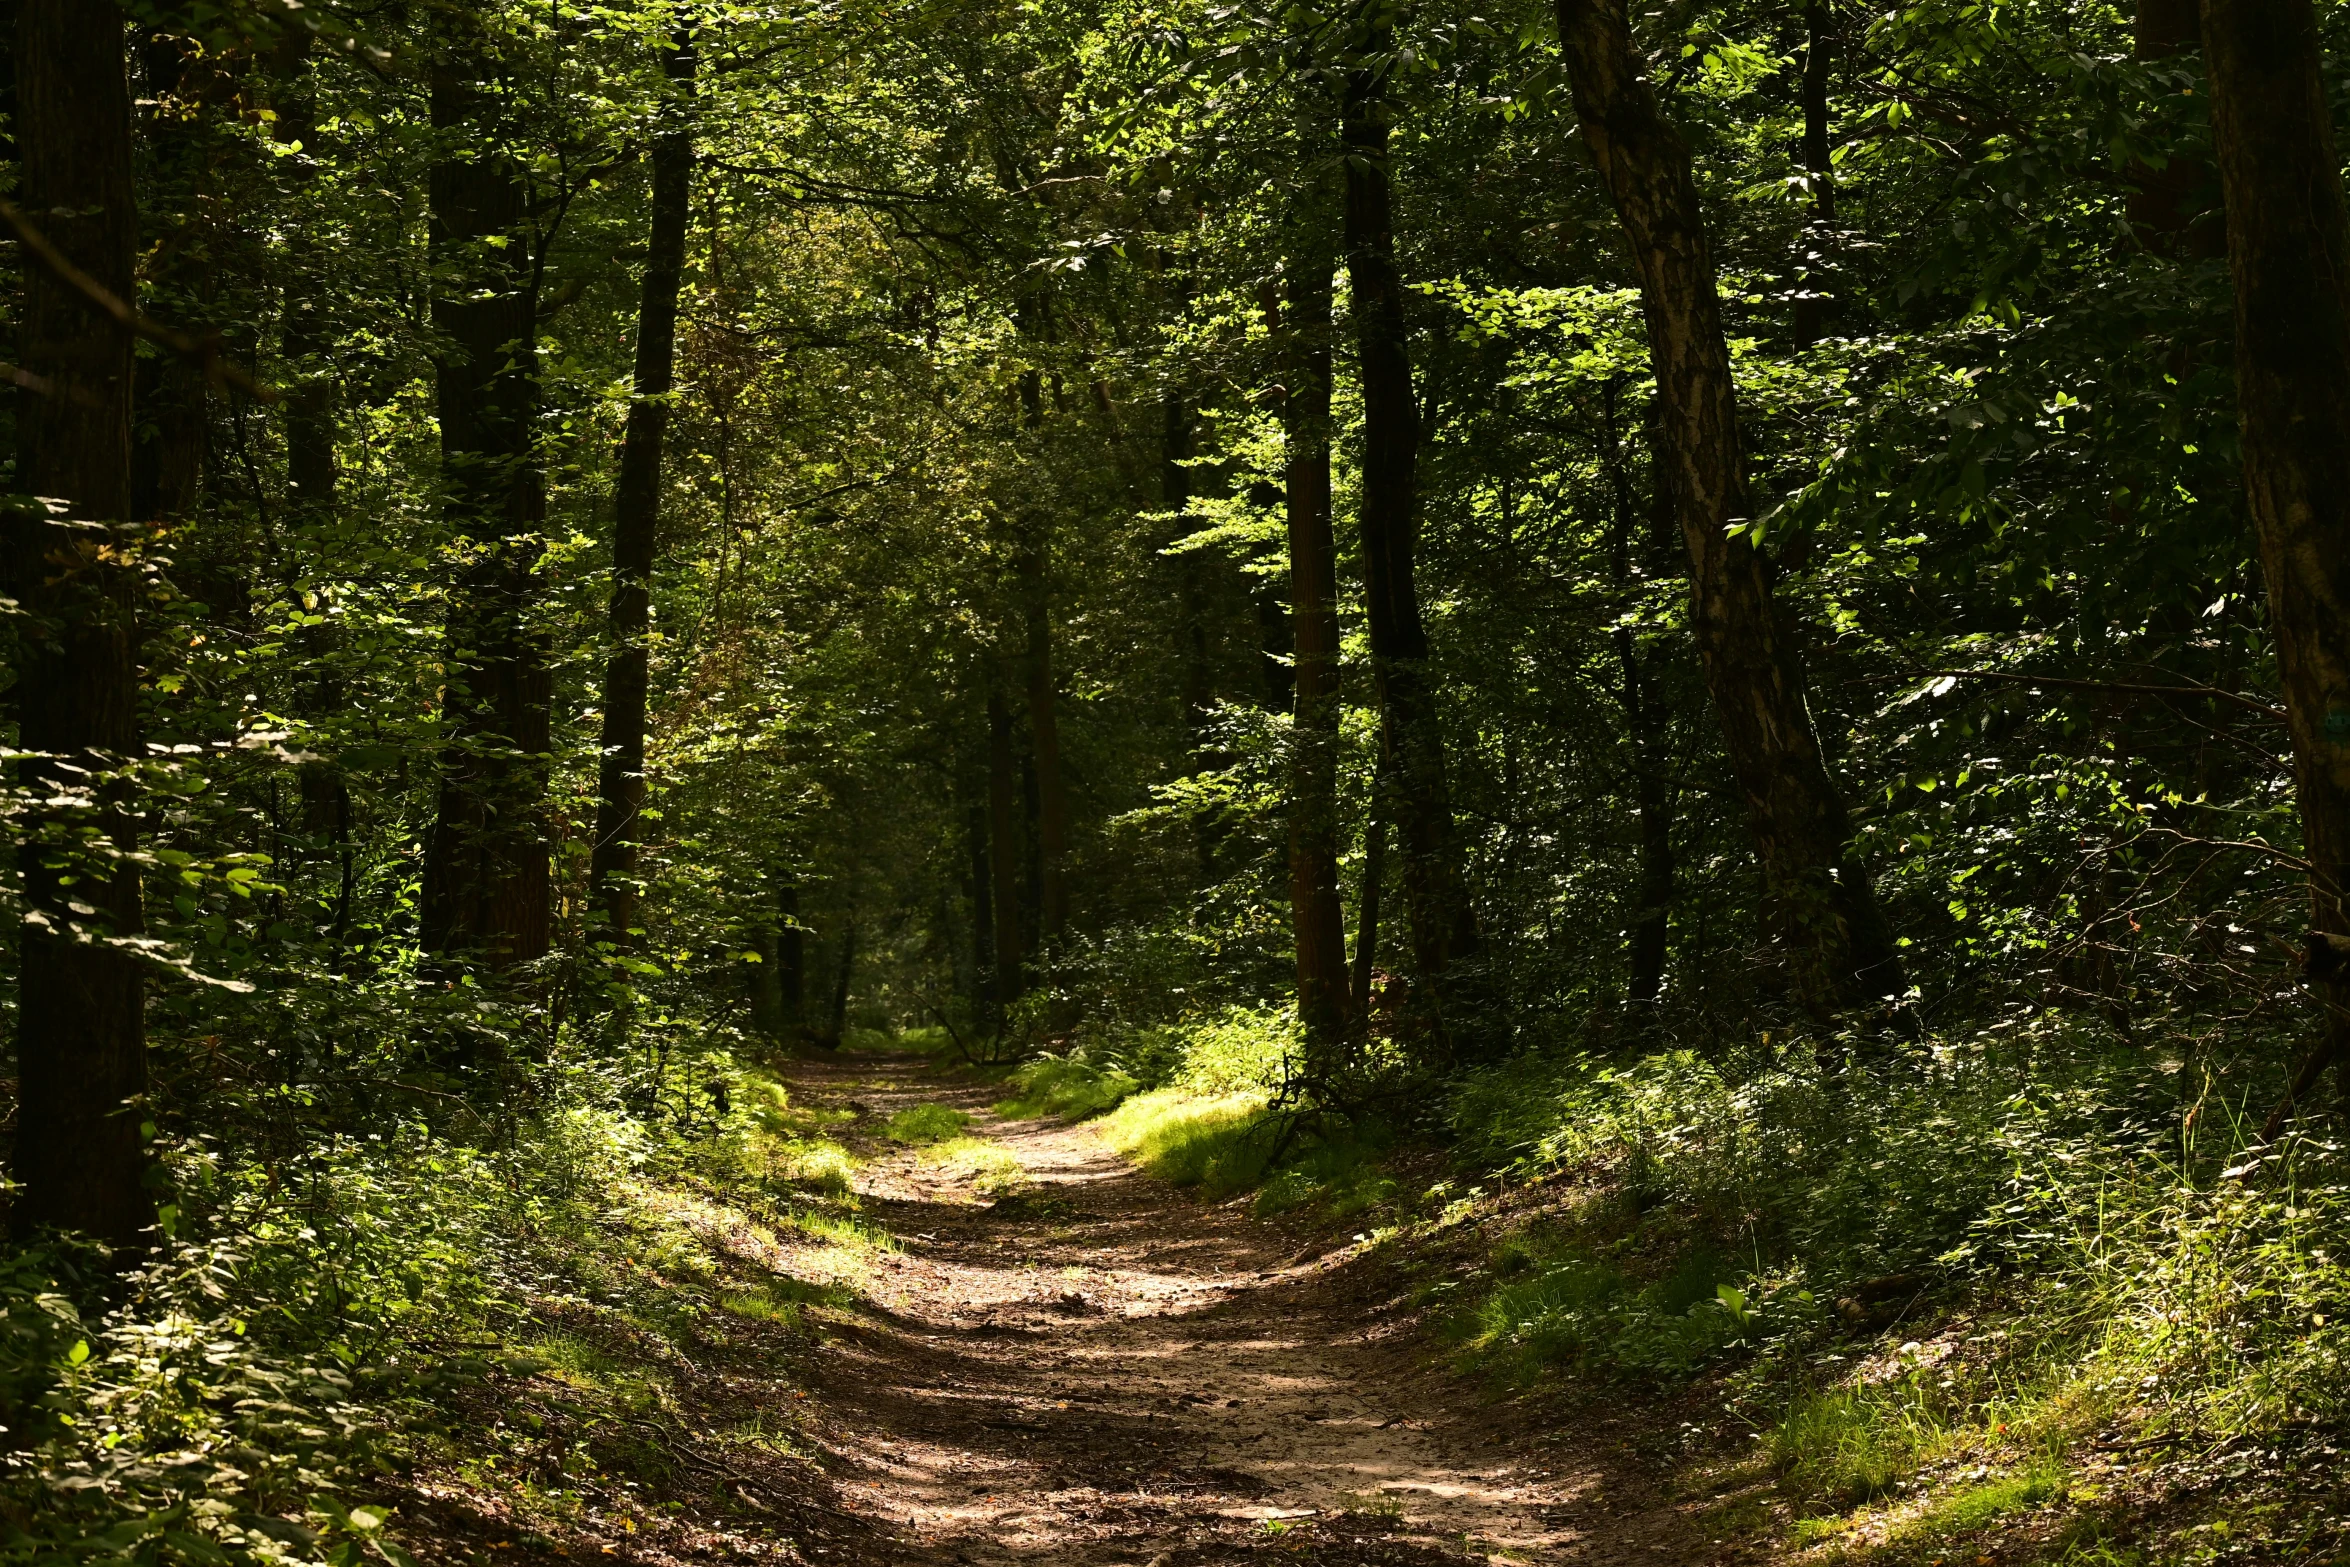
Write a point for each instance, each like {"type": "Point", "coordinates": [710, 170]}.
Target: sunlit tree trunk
{"type": "Point", "coordinates": [1842, 945]}
{"type": "Point", "coordinates": [620, 777]}
{"type": "Point", "coordinates": [1444, 926]}
{"type": "Point", "coordinates": [1317, 918]}
{"type": "Point", "coordinates": [486, 879]}
{"type": "Point", "coordinates": [2289, 250]}
{"type": "Point", "coordinates": [80, 1027]}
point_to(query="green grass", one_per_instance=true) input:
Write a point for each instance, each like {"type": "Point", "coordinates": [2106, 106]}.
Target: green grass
{"type": "Point", "coordinates": [1850, 1445]}
{"type": "Point", "coordinates": [1221, 1143]}
{"type": "Point", "coordinates": [784, 1300]}
{"type": "Point", "coordinates": [1963, 1512]}
{"type": "Point", "coordinates": [992, 1169]}
{"type": "Point", "coordinates": [1065, 1089]}
{"type": "Point", "coordinates": [929, 1123]}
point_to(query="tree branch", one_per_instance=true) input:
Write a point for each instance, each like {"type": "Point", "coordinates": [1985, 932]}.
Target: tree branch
{"type": "Point", "coordinates": [205, 351]}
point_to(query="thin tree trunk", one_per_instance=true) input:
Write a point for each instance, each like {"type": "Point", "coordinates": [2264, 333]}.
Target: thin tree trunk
{"type": "Point", "coordinates": [1843, 947]}
{"type": "Point", "coordinates": [1444, 926]}
{"type": "Point", "coordinates": [2289, 250]}
{"type": "Point", "coordinates": [1002, 806]}
{"type": "Point", "coordinates": [982, 917]}
{"type": "Point", "coordinates": [791, 960]}
{"type": "Point", "coordinates": [1044, 734]}
{"type": "Point", "coordinates": [1317, 916]}
{"type": "Point", "coordinates": [763, 980]}
{"type": "Point", "coordinates": [838, 1024]}
{"type": "Point", "coordinates": [1367, 913]}
{"type": "Point", "coordinates": [1813, 300]}
{"type": "Point", "coordinates": [81, 1031]}
{"type": "Point", "coordinates": [312, 481]}
{"type": "Point", "coordinates": [1195, 648]}
{"type": "Point", "coordinates": [1644, 730]}
{"type": "Point", "coordinates": [486, 881]}
{"type": "Point", "coordinates": [167, 439]}
{"type": "Point", "coordinates": [620, 777]}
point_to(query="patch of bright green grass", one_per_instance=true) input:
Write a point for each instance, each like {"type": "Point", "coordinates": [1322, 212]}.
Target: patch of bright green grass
{"type": "Point", "coordinates": [843, 1231]}
{"type": "Point", "coordinates": [1066, 1089]}
{"type": "Point", "coordinates": [992, 1169]}
{"type": "Point", "coordinates": [784, 1300]}
{"type": "Point", "coordinates": [927, 1124]}
{"type": "Point", "coordinates": [1221, 1144]}
{"type": "Point", "coordinates": [816, 1164]}
{"type": "Point", "coordinates": [1852, 1444]}
{"type": "Point", "coordinates": [1978, 1505]}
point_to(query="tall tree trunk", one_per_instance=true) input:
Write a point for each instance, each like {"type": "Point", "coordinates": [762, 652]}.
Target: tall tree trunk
{"type": "Point", "coordinates": [1003, 850]}
{"type": "Point", "coordinates": [636, 515]}
{"type": "Point", "coordinates": [1644, 729]}
{"type": "Point", "coordinates": [1317, 917]}
{"type": "Point", "coordinates": [2289, 250]}
{"type": "Point", "coordinates": [1444, 925]}
{"type": "Point", "coordinates": [1843, 947]}
{"type": "Point", "coordinates": [81, 1031]}
{"type": "Point", "coordinates": [1813, 282]}
{"type": "Point", "coordinates": [1044, 734]}
{"type": "Point", "coordinates": [485, 872]}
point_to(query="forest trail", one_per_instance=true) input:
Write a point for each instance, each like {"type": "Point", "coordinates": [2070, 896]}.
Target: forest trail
{"type": "Point", "coordinates": [1101, 1369]}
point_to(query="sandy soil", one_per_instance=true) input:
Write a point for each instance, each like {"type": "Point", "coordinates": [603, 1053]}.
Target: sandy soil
{"type": "Point", "coordinates": [1103, 1370]}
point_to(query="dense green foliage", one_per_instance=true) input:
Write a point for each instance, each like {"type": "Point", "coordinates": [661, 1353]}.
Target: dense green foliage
{"type": "Point", "coordinates": [954, 276]}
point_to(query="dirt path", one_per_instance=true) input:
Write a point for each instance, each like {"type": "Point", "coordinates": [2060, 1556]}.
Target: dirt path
{"type": "Point", "coordinates": [1102, 1370]}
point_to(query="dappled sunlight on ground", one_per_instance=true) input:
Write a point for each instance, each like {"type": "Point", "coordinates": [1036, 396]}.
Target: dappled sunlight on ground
{"type": "Point", "coordinates": [1099, 1369]}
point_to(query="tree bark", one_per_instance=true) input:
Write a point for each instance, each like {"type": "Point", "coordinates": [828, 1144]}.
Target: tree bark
{"type": "Point", "coordinates": [1317, 917]}
{"type": "Point", "coordinates": [636, 516]}
{"type": "Point", "coordinates": [486, 881]}
{"type": "Point", "coordinates": [81, 1031]}
{"type": "Point", "coordinates": [2289, 251]}
{"type": "Point", "coordinates": [1843, 949]}
{"type": "Point", "coordinates": [1444, 925]}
